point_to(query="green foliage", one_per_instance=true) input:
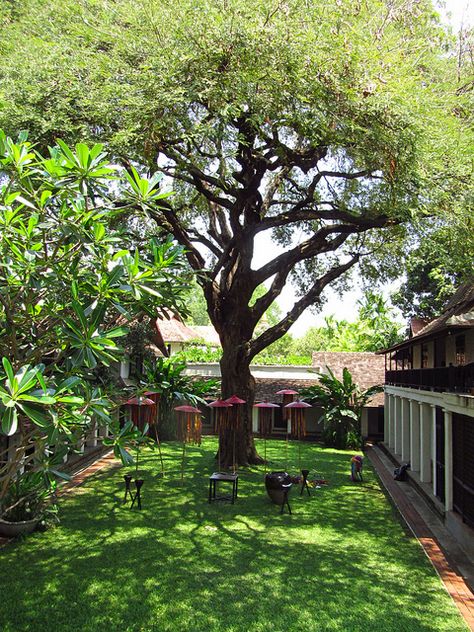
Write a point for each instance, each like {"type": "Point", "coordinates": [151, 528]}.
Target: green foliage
{"type": "Point", "coordinates": [342, 402]}
{"type": "Point", "coordinates": [440, 259]}
{"type": "Point", "coordinates": [321, 125]}
{"type": "Point", "coordinates": [130, 438]}
{"type": "Point", "coordinates": [31, 496]}
{"type": "Point", "coordinates": [200, 351]}
{"type": "Point", "coordinates": [197, 307]}
{"type": "Point", "coordinates": [215, 91]}
{"type": "Point", "coordinates": [375, 328]}
{"type": "Point", "coordinates": [69, 282]}
{"type": "Point", "coordinates": [167, 377]}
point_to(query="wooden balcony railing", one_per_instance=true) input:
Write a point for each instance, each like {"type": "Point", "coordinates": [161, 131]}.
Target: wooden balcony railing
{"type": "Point", "coordinates": [457, 379]}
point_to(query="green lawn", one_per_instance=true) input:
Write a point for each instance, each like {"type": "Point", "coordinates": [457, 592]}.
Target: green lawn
{"type": "Point", "coordinates": [342, 561]}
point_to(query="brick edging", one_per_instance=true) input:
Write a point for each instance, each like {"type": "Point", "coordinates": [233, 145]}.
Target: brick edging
{"type": "Point", "coordinates": [80, 476]}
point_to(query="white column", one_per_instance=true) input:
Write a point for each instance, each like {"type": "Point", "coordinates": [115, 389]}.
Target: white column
{"type": "Point", "coordinates": [391, 407]}
{"type": "Point", "coordinates": [448, 460]}
{"type": "Point", "coordinates": [433, 446]}
{"type": "Point", "coordinates": [386, 419]}
{"type": "Point", "coordinates": [405, 429]}
{"type": "Point", "coordinates": [425, 443]}
{"type": "Point", "coordinates": [397, 444]}
{"type": "Point", "coordinates": [125, 369]}
{"type": "Point", "coordinates": [414, 435]}
{"type": "Point", "coordinates": [254, 419]}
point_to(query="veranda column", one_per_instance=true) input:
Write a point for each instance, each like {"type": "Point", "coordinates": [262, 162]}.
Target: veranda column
{"type": "Point", "coordinates": [405, 429]}
{"type": "Point", "coordinates": [391, 438]}
{"type": "Point", "coordinates": [414, 435]}
{"type": "Point", "coordinates": [425, 443]}
{"type": "Point", "coordinates": [448, 459]}
{"type": "Point", "coordinates": [386, 418]}
{"type": "Point", "coordinates": [433, 446]}
{"type": "Point", "coordinates": [397, 444]}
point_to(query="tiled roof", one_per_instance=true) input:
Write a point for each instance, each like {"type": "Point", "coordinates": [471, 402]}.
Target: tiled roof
{"type": "Point", "coordinates": [460, 303]}
{"type": "Point", "coordinates": [417, 324]}
{"type": "Point", "coordinates": [173, 330]}
{"type": "Point", "coordinates": [266, 388]}
{"type": "Point", "coordinates": [367, 369]}
{"type": "Point", "coordinates": [459, 312]}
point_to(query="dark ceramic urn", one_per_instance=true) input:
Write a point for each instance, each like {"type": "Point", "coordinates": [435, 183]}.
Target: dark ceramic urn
{"type": "Point", "coordinates": [274, 483]}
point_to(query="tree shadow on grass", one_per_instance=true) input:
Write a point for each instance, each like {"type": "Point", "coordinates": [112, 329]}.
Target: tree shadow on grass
{"type": "Point", "coordinates": [339, 562]}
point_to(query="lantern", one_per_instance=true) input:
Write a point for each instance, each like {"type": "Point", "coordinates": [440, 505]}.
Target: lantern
{"type": "Point", "coordinates": [297, 420]}
{"type": "Point", "coordinates": [222, 423]}
{"type": "Point", "coordinates": [189, 424]}
{"type": "Point", "coordinates": [265, 424]}
{"type": "Point", "coordinates": [288, 397]}
{"type": "Point", "coordinates": [141, 411]}
{"type": "Point", "coordinates": [189, 429]}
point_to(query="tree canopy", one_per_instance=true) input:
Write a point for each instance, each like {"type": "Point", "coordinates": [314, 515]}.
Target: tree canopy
{"type": "Point", "coordinates": [324, 125]}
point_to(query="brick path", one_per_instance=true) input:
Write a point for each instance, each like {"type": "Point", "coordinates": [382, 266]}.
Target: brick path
{"type": "Point", "coordinates": [451, 578]}
{"type": "Point", "coordinates": [79, 477]}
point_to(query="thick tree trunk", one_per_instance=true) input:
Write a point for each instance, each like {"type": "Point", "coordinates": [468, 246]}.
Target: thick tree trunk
{"type": "Point", "coordinates": [237, 380]}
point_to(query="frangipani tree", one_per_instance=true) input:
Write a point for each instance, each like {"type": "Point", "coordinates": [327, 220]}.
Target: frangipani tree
{"type": "Point", "coordinates": [67, 276]}
{"type": "Point", "coordinates": [325, 126]}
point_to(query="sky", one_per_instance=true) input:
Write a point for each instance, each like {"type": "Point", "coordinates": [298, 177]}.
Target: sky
{"type": "Point", "coordinates": [457, 13]}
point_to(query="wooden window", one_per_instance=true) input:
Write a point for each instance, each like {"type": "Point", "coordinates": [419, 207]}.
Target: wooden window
{"type": "Point", "coordinates": [424, 356]}
{"type": "Point", "coordinates": [460, 350]}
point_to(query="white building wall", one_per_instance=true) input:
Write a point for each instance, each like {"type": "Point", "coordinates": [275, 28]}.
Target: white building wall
{"type": "Point", "coordinates": [413, 427]}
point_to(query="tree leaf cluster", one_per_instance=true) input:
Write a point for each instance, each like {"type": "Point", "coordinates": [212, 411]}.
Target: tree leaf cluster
{"type": "Point", "coordinates": [69, 286]}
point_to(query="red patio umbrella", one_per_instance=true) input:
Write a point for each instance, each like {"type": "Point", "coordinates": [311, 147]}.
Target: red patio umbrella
{"type": "Point", "coordinates": [298, 426]}
{"type": "Point", "coordinates": [222, 422]}
{"type": "Point", "coordinates": [189, 428]}
{"type": "Point", "coordinates": [265, 424]}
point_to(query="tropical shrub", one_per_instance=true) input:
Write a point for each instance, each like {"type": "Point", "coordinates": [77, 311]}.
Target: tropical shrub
{"type": "Point", "coordinates": [342, 402]}
{"type": "Point", "coordinates": [166, 376]}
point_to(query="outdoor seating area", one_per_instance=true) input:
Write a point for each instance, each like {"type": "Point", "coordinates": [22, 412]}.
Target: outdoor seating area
{"type": "Point", "coordinates": [184, 564]}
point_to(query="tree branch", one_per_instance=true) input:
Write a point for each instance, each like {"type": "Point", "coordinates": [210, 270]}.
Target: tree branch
{"type": "Point", "coordinates": [281, 328]}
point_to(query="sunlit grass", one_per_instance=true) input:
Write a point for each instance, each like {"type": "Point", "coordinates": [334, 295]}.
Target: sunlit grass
{"type": "Point", "coordinates": [342, 561]}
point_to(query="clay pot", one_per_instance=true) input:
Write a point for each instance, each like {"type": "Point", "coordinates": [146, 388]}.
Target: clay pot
{"type": "Point", "coordinates": [13, 529]}
{"type": "Point", "coordinates": [274, 482]}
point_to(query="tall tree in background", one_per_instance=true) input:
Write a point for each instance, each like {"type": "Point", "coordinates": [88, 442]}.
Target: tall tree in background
{"type": "Point", "coordinates": [323, 125]}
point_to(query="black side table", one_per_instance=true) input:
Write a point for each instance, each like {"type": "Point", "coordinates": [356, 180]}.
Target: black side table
{"type": "Point", "coordinates": [227, 478]}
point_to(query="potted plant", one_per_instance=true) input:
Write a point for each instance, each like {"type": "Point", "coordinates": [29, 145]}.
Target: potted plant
{"type": "Point", "coordinates": [28, 503]}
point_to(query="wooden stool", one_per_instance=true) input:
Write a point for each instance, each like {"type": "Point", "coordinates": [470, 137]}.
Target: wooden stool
{"type": "Point", "coordinates": [226, 478]}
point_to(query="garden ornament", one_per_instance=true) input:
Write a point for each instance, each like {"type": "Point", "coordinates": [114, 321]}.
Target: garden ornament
{"type": "Point", "coordinates": [356, 467]}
